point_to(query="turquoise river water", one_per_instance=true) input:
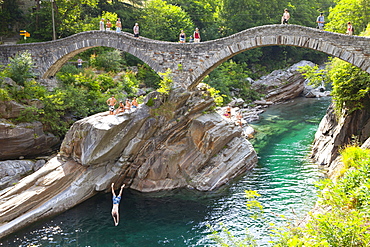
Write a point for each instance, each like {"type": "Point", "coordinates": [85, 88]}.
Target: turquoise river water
{"type": "Point", "coordinates": [284, 178]}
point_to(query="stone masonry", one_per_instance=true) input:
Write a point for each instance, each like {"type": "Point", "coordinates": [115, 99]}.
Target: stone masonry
{"type": "Point", "coordinates": [191, 62]}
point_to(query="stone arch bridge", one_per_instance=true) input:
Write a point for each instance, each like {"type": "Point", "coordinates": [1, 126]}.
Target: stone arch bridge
{"type": "Point", "coordinates": [191, 62]}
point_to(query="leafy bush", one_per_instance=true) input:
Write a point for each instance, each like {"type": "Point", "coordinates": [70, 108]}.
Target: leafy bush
{"type": "Point", "coordinates": [4, 95]}
{"type": "Point", "coordinates": [166, 83]}
{"type": "Point", "coordinates": [347, 208]}
{"type": "Point", "coordinates": [109, 61]}
{"type": "Point", "coordinates": [69, 69]}
{"type": "Point", "coordinates": [20, 68]}
{"type": "Point", "coordinates": [351, 85]}
{"type": "Point", "coordinates": [231, 79]}
{"type": "Point", "coordinates": [147, 76]}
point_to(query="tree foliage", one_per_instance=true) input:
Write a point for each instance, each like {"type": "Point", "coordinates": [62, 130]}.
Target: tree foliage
{"type": "Point", "coordinates": [231, 79]}
{"type": "Point", "coordinates": [205, 16]}
{"type": "Point", "coordinates": [355, 11]}
{"type": "Point", "coordinates": [346, 204]}
{"type": "Point", "coordinates": [163, 21]}
{"type": "Point", "coordinates": [20, 68]}
{"type": "Point", "coordinates": [10, 14]}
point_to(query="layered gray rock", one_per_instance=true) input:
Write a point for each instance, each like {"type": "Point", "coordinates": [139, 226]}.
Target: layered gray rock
{"type": "Point", "coordinates": [12, 171]}
{"type": "Point", "coordinates": [24, 139]}
{"type": "Point", "coordinates": [164, 144]}
{"type": "Point", "coordinates": [335, 133]}
{"type": "Point", "coordinates": [282, 85]}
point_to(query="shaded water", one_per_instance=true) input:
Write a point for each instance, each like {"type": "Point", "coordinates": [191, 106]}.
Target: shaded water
{"type": "Point", "coordinates": [284, 177]}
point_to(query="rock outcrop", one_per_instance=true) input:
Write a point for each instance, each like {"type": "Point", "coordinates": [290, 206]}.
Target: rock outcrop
{"type": "Point", "coordinates": [282, 85]}
{"type": "Point", "coordinates": [23, 139]}
{"type": "Point", "coordinates": [164, 144]}
{"type": "Point", "coordinates": [334, 133]}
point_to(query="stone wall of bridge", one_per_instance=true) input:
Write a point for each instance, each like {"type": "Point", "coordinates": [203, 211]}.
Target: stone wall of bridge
{"type": "Point", "coordinates": [191, 62]}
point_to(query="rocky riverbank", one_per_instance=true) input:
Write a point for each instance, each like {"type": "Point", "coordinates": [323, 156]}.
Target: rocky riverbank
{"type": "Point", "coordinates": [337, 132]}
{"type": "Point", "coordinates": [164, 144]}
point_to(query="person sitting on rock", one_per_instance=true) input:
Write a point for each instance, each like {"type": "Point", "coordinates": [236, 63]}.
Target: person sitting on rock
{"type": "Point", "coordinates": [239, 118]}
{"type": "Point", "coordinates": [116, 201]}
{"type": "Point", "coordinates": [228, 112]}
{"type": "Point", "coordinates": [128, 105]}
{"type": "Point", "coordinates": [134, 103]}
{"type": "Point", "coordinates": [121, 108]}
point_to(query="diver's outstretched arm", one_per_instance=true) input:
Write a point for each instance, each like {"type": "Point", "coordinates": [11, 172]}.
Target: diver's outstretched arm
{"type": "Point", "coordinates": [120, 192]}
{"type": "Point", "coordinates": [114, 194]}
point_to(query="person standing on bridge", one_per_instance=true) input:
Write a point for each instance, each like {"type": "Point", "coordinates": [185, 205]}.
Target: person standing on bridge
{"type": "Point", "coordinates": [116, 201]}
{"type": "Point", "coordinates": [101, 25]}
{"type": "Point", "coordinates": [196, 35]}
{"type": "Point", "coordinates": [320, 21]}
{"type": "Point", "coordinates": [182, 37]}
{"type": "Point", "coordinates": [286, 16]}
{"type": "Point", "coordinates": [136, 30]}
{"type": "Point", "coordinates": [108, 25]}
{"type": "Point", "coordinates": [349, 28]}
{"type": "Point", "coordinates": [118, 25]}
{"type": "Point", "coordinates": [111, 102]}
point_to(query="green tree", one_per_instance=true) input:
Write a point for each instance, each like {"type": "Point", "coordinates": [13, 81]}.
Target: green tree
{"type": "Point", "coordinates": [163, 21]}
{"type": "Point", "coordinates": [9, 15]}
{"type": "Point", "coordinates": [205, 16]}
{"type": "Point", "coordinates": [20, 68]}
{"type": "Point", "coordinates": [69, 18]}
{"type": "Point", "coordinates": [355, 11]}
{"type": "Point", "coordinates": [232, 78]}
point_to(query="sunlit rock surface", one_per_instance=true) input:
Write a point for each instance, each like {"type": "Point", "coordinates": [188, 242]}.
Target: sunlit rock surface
{"type": "Point", "coordinates": [335, 133]}
{"type": "Point", "coordinates": [162, 146]}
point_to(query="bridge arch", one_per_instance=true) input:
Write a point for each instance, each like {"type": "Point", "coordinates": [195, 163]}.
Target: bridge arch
{"type": "Point", "coordinates": [196, 59]}
{"type": "Point", "coordinates": [75, 44]}
{"type": "Point", "coordinates": [352, 49]}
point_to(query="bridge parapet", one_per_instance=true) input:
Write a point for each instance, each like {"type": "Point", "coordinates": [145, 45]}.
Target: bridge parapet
{"type": "Point", "coordinates": [191, 62]}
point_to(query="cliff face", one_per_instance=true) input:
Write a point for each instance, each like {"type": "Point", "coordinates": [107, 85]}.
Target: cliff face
{"type": "Point", "coordinates": [24, 139]}
{"type": "Point", "coordinates": [160, 147]}
{"type": "Point", "coordinates": [169, 145]}
{"type": "Point", "coordinates": [335, 133]}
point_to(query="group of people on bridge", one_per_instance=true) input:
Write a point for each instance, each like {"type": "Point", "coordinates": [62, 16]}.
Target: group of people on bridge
{"type": "Point", "coordinates": [107, 26]}
{"type": "Point", "coordinates": [320, 22]}
{"type": "Point", "coordinates": [192, 38]}
{"type": "Point", "coordinates": [122, 107]}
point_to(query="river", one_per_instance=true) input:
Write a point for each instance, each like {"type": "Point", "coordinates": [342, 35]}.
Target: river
{"type": "Point", "coordinates": [284, 177]}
